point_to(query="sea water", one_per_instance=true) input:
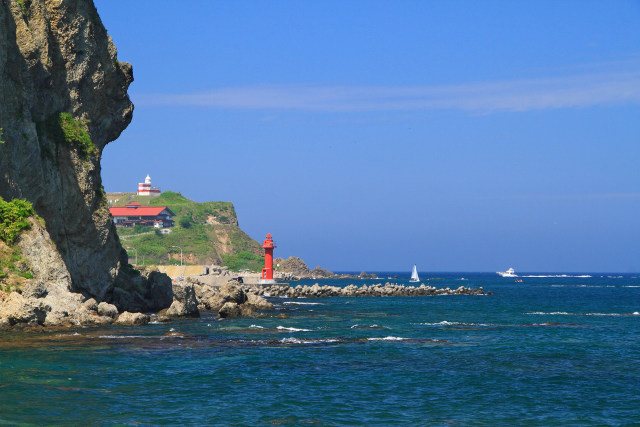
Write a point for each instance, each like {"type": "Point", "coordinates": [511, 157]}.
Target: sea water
{"type": "Point", "coordinates": [547, 351]}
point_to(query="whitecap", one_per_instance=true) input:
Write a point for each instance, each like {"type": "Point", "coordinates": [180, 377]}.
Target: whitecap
{"type": "Point", "coordinates": [292, 340]}
{"type": "Point", "coordinates": [256, 327]}
{"type": "Point", "coordinates": [284, 328]}
{"type": "Point", "coordinates": [604, 314]}
{"type": "Point", "coordinates": [389, 338]}
{"type": "Point", "coordinates": [447, 323]}
{"type": "Point", "coordinates": [303, 303]}
{"type": "Point", "coordinates": [374, 326]}
{"type": "Point", "coordinates": [543, 313]}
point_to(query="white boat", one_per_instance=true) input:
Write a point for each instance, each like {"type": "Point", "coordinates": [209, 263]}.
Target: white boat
{"type": "Point", "coordinates": [414, 275]}
{"type": "Point", "coordinates": [509, 273]}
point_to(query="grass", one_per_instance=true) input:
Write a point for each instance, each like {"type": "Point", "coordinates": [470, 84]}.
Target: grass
{"type": "Point", "coordinates": [13, 219]}
{"type": "Point", "coordinates": [63, 128]}
{"type": "Point", "coordinates": [243, 260]}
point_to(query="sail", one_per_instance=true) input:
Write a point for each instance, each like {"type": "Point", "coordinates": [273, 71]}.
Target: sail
{"type": "Point", "coordinates": [414, 274]}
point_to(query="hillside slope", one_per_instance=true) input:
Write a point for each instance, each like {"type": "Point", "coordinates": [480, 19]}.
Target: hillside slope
{"type": "Point", "coordinates": [207, 233]}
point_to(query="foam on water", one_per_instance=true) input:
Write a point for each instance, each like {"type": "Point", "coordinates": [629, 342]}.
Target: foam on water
{"type": "Point", "coordinates": [284, 328]}
{"type": "Point", "coordinates": [389, 338]}
{"type": "Point", "coordinates": [302, 303]}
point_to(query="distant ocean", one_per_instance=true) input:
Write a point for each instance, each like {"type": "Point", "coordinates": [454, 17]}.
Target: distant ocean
{"type": "Point", "coordinates": [547, 351]}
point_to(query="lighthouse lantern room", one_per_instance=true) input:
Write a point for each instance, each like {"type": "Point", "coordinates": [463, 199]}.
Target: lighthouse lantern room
{"type": "Point", "coordinates": [267, 271]}
{"type": "Point", "coordinates": [145, 188]}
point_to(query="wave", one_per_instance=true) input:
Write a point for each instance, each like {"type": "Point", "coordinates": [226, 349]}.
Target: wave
{"type": "Point", "coordinates": [564, 313]}
{"type": "Point", "coordinates": [303, 303]}
{"type": "Point", "coordinates": [284, 328]}
{"type": "Point", "coordinates": [389, 338]}
{"type": "Point", "coordinates": [256, 327]}
{"type": "Point", "coordinates": [543, 313]}
{"type": "Point", "coordinates": [374, 326]}
{"type": "Point", "coordinates": [291, 340]}
{"type": "Point", "coordinates": [448, 323]}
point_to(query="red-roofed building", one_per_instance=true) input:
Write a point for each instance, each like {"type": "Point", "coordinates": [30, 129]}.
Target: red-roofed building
{"type": "Point", "coordinates": [135, 214]}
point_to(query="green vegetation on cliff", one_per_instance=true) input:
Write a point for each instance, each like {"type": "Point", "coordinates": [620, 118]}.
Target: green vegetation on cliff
{"type": "Point", "coordinates": [207, 233]}
{"type": "Point", "coordinates": [62, 128]}
{"type": "Point", "coordinates": [13, 218]}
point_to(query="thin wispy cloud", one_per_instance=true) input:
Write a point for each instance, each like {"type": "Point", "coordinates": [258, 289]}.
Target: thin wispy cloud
{"type": "Point", "coordinates": [576, 91]}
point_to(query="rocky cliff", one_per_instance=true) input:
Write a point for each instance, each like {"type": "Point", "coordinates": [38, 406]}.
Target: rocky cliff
{"type": "Point", "coordinates": [64, 98]}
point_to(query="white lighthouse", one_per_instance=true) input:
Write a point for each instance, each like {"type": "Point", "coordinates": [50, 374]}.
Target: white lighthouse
{"type": "Point", "coordinates": [145, 188]}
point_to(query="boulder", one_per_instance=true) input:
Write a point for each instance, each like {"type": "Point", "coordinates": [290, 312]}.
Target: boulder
{"type": "Point", "coordinates": [321, 273]}
{"type": "Point", "coordinates": [160, 291]}
{"type": "Point", "coordinates": [34, 289]}
{"type": "Point", "coordinates": [127, 318]}
{"type": "Point", "coordinates": [90, 304]}
{"type": "Point", "coordinates": [232, 292]}
{"type": "Point", "coordinates": [106, 309]}
{"type": "Point", "coordinates": [18, 309]}
{"type": "Point", "coordinates": [229, 310]}
{"type": "Point", "coordinates": [185, 303]}
{"type": "Point", "coordinates": [127, 300]}
{"type": "Point", "coordinates": [258, 302]}
{"type": "Point", "coordinates": [293, 265]}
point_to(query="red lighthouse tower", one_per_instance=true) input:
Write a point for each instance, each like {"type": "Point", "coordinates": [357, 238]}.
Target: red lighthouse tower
{"type": "Point", "coordinates": [267, 271]}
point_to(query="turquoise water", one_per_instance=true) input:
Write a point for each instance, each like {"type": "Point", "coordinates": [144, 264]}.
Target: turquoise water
{"type": "Point", "coordinates": [548, 351]}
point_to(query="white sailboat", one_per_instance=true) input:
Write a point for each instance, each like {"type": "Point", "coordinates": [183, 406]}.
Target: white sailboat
{"type": "Point", "coordinates": [414, 275]}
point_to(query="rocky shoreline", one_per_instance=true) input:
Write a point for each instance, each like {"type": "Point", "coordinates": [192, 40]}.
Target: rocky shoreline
{"type": "Point", "coordinates": [32, 310]}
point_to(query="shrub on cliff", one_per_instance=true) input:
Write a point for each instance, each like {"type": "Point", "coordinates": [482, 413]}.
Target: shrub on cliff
{"type": "Point", "coordinates": [13, 218]}
{"type": "Point", "coordinates": [62, 128]}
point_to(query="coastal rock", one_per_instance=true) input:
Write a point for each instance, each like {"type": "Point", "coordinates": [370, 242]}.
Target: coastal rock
{"type": "Point", "coordinates": [106, 309]}
{"type": "Point", "coordinates": [160, 294]}
{"type": "Point", "coordinates": [128, 300]}
{"type": "Point", "coordinates": [293, 265]}
{"type": "Point", "coordinates": [233, 293]}
{"type": "Point", "coordinates": [374, 290]}
{"type": "Point", "coordinates": [18, 309]}
{"type": "Point", "coordinates": [61, 72]}
{"type": "Point", "coordinates": [57, 58]}
{"type": "Point", "coordinates": [258, 302]}
{"type": "Point", "coordinates": [321, 273]}
{"type": "Point", "coordinates": [35, 289]}
{"type": "Point", "coordinates": [229, 310]}
{"type": "Point", "coordinates": [127, 318]}
{"type": "Point", "coordinates": [91, 305]}
{"type": "Point", "coordinates": [185, 303]}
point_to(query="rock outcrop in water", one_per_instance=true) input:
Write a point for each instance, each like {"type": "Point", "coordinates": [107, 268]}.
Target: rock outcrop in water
{"type": "Point", "coordinates": [375, 290]}
{"type": "Point", "coordinates": [64, 97]}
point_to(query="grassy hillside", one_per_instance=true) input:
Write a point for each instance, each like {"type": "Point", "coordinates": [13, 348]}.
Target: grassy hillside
{"type": "Point", "coordinates": [207, 233]}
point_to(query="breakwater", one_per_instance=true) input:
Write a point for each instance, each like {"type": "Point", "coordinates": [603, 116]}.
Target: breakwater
{"type": "Point", "coordinates": [374, 290]}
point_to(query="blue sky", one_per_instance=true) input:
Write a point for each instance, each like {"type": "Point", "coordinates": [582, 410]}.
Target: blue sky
{"type": "Point", "coordinates": [372, 135]}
